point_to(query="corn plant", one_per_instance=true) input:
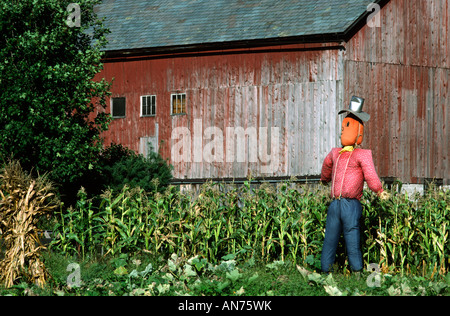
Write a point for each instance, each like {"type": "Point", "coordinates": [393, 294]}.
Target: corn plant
{"type": "Point", "coordinates": [408, 235]}
{"type": "Point", "coordinates": [268, 222]}
{"type": "Point", "coordinates": [23, 201]}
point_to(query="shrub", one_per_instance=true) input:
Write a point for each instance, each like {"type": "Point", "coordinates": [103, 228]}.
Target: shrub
{"type": "Point", "coordinates": [122, 166]}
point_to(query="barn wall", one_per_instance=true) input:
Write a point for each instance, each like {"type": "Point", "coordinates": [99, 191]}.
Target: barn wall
{"type": "Point", "coordinates": [286, 101]}
{"type": "Point", "coordinates": [402, 68]}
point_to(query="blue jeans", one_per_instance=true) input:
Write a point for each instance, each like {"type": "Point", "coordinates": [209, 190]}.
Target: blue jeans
{"type": "Point", "coordinates": [343, 217]}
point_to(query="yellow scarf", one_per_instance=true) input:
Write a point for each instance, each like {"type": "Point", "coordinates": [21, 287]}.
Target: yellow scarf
{"type": "Point", "coordinates": [347, 149]}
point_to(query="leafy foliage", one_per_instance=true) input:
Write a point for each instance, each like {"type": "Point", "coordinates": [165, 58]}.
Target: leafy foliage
{"type": "Point", "coordinates": [48, 100]}
{"type": "Point", "coordinates": [144, 275]}
{"type": "Point", "coordinates": [122, 166]}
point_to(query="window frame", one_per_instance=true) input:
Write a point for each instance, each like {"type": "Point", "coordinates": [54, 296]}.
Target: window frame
{"type": "Point", "coordinates": [112, 108]}
{"type": "Point", "coordinates": [172, 105]}
{"type": "Point", "coordinates": [151, 96]}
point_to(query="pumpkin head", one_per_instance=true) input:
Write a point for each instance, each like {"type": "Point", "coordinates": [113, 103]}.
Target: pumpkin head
{"type": "Point", "coordinates": [352, 131]}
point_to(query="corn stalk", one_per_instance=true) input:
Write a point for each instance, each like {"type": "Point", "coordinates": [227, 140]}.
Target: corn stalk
{"type": "Point", "coordinates": [23, 201]}
{"type": "Point", "coordinates": [266, 222]}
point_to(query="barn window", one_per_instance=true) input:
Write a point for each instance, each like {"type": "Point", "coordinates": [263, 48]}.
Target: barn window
{"type": "Point", "coordinates": [118, 107]}
{"type": "Point", "coordinates": [178, 103]}
{"type": "Point", "coordinates": [148, 105]}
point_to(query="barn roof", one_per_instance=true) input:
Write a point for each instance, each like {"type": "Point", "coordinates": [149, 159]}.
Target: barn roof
{"type": "Point", "coordinates": [138, 24]}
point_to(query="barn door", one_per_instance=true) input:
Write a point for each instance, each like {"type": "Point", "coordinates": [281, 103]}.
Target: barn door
{"type": "Point", "coordinates": [149, 143]}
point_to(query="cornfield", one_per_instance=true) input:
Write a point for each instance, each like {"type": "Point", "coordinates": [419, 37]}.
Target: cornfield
{"type": "Point", "coordinates": [23, 201]}
{"type": "Point", "coordinates": [266, 222]}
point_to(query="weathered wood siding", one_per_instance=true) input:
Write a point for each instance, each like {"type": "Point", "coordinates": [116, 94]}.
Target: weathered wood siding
{"type": "Point", "coordinates": [402, 68]}
{"type": "Point", "coordinates": [292, 93]}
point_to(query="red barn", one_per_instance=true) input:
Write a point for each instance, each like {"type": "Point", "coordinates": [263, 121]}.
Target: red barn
{"type": "Point", "coordinates": [228, 89]}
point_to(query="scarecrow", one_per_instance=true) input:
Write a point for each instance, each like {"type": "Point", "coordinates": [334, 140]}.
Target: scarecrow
{"type": "Point", "coordinates": [347, 168]}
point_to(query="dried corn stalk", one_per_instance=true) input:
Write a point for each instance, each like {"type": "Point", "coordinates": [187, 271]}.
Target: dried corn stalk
{"type": "Point", "coordinates": [23, 201]}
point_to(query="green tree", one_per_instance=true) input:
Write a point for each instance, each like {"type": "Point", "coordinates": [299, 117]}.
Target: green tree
{"type": "Point", "coordinates": [49, 101]}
